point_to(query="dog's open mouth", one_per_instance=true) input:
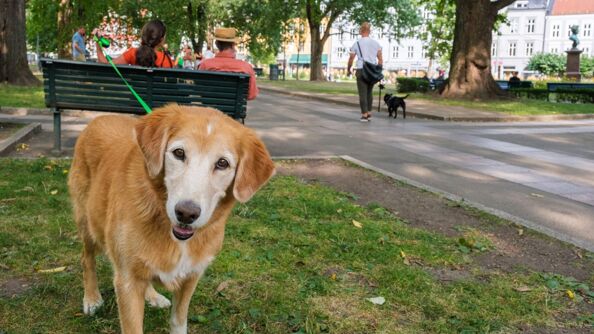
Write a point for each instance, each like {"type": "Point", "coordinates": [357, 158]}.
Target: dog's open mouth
{"type": "Point", "coordinates": [182, 233]}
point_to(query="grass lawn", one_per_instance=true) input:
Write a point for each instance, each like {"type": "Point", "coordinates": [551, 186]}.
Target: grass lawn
{"type": "Point", "coordinates": [512, 106]}
{"type": "Point", "coordinates": [298, 258]}
{"type": "Point", "coordinates": [24, 97]}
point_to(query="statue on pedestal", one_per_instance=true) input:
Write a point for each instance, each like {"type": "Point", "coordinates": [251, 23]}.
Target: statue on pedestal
{"type": "Point", "coordinates": [575, 29]}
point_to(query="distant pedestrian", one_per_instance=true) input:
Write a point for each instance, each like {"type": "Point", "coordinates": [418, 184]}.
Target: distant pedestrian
{"type": "Point", "coordinates": [365, 49]}
{"type": "Point", "coordinates": [78, 45]}
{"type": "Point", "coordinates": [225, 60]}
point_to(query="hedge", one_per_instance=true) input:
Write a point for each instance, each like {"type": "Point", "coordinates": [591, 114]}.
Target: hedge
{"type": "Point", "coordinates": [410, 85]}
{"type": "Point", "coordinates": [531, 93]}
{"type": "Point", "coordinates": [560, 95]}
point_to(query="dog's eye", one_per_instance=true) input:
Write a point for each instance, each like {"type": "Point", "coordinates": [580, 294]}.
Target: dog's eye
{"type": "Point", "coordinates": [179, 154]}
{"type": "Point", "coordinates": [222, 164]}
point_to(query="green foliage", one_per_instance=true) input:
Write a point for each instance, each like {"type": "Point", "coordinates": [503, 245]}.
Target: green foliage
{"type": "Point", "coordinates": [439, 32]}
{"type": "Point", "coordinates": [55, 23]}
{"type": "Point", "coordinates": [548, 64]}
{"type": "Point", "coordinates": [587, 66]}
{"type": "Point", "coordinates": [410, 85]}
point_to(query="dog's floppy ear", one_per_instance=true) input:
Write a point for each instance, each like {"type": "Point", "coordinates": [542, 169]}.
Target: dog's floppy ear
{"type": "Point", "coordinates": [254, 169]}
{"type": "Point", "coordinates": [152, 135]}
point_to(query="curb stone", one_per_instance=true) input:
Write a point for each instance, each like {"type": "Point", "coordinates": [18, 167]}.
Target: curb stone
{"type": "Point", "coordinates": [21, 135]}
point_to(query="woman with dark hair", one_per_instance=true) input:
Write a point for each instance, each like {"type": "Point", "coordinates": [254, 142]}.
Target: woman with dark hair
{"type": "Point", "coordinates": [147, 54]}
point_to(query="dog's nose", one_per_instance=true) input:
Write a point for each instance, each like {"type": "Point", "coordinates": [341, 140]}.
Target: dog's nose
{"type": "Point", "coordinates": [187, 212]}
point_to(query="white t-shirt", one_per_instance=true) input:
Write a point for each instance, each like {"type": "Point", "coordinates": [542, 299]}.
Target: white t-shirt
{"type": "Point", "coordinates": [369, 49]}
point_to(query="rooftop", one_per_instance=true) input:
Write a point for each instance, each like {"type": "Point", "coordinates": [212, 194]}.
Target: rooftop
{"type": "Point", "coordinates": [572, 7]}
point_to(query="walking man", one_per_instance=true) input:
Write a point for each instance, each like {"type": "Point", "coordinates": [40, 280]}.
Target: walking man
{"type": "Point", "coordinates": [78, 45]}
{"type": "Point", "coordinates": [366, 49]}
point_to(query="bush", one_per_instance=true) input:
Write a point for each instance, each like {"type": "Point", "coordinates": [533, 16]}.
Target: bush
{"type": "Point", "coordinates": [531, 93]}
{"type": "Point", "coordinates": [548, 63]}
{"type": "Point", "coordinates": [410, 85]}
{"type": "Point", "coordinates": [574, 95]}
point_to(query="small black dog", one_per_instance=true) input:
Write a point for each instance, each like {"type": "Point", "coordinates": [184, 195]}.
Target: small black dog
{"type": "Point", "coordinates": [393, 102]}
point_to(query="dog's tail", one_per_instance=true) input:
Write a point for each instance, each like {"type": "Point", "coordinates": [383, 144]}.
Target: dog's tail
{"type": "Point", "coordinates": [405, 96]}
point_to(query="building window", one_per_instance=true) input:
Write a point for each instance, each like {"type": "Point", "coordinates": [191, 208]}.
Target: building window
{"type": "Point", "coordinates": [411, 52]}
{"type": "Point", "coordinates": [423, 53]}
{"type": "Point", "coordinates": [493, 49]}
{"type": "Point", "coordinates": [556, 30]}
{"type": "Point", "coordinates": [587, 51]}
{"type": "Point", "coordinates": [554, 49]}
{"type": "Point", "coordinates": [426, 14]}
{"type": "Point", "coordinates": [301, 46]}
{"type": "Point", "coordinates": [530, 25]}
{"type": "Point", "coordinates": [512, 48]}
{"type": "Point", "coordinates": [522, 4]}
{"type": "Point", "coordinates": [529, 48]}
{"type": "Point", "coordinates": [587, 30]}
{"type": "Point", "coordinates": [395, 51]}
{"type": "Point", "coordinates": [340, 52]}
{"type": "Point", "coordinates": [513, 25]}
{"type": "Point", "coordinates": [354, 33]}
{"type": "Point", "coordinates": [322, 29]}
{"type": "Point", "coordinates": [569, 30]}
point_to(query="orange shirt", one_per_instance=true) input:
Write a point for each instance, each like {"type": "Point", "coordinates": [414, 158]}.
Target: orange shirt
{"type": "Point", "coordinates": [162, 59]}
{"type": "Point", "coordinates": [225, 62]}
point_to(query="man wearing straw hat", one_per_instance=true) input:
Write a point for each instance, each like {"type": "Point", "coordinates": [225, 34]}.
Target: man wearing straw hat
{"type": "Point", "coordinates": [224, 60]}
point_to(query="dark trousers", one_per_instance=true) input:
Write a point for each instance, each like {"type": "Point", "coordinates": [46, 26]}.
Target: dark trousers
{"type": "Point", "coordinates": [365, 93]}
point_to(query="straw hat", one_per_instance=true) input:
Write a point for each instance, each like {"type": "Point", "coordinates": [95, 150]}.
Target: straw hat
{"type": "Point", "coordinates": [225, 35]}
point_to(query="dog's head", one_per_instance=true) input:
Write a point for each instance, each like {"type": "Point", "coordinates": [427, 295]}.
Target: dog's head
{"type": "Point", "coordinates": [387, 97]}
{"type": "Point", "coordinates": [203, 156]}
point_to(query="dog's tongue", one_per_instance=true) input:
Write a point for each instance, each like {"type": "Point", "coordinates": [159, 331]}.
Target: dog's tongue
{"type": "Point", "coordinates": [183, 232]}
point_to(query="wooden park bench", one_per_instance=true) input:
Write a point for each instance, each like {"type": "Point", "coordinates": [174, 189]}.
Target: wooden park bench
{"type": "Point", "coordinates": [93, 86]}
{"type": "Point", "coordinates": [553, 86]}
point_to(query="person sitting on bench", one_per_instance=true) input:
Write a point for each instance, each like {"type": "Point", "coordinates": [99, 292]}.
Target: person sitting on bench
{"type": "Point", "coordinates": [224, 60]}
{"type": "Point", "coordinates": [148, 54]}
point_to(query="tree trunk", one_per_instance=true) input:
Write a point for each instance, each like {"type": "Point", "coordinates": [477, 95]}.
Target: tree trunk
{"type": "Point", "coordinates": [201, 16]}
{"type": "Point", "coordinates": [64, 27]}
{"type": "Point", "coordinates": [14, 68]}
{"type": "Point", "coordinates": [317, 47]}
{"type": "Point", "coordinates": [470, 64]}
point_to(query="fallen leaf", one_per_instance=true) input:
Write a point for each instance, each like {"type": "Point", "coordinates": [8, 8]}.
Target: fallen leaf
{"type": "Point", "coordinates": [377, 300]}
{"type": "Point", "coordinates": [51, 271]}
{"type": "Point", "coordinates": [520, 231]}
{"type": "Point", "coordinates": [357, 224]}
{"type": "Point", "coordinates": [223, 286]}
{"type": "Point", "coordinates": [54, 192]}
{"type": "Point", "coordinates": [48, 168]}
{"type": "Point", "coordinates": [536, 195]}
{"type": "Point", "coordinates": [65, 171]}
{"type": "Point", "coordinates": [579, 254]}
{"type": "Point", "coordinates": [333, 277]}
{"type": "Point", "coordinates": [22, 147]}
{"type": "Point", "coordinates": [339, 211]}
{"type": "Point", "coordinates": [523, 288]}
{"type": "Point", "coordinates": [402, 254]}
{"type": "Point", "coordinates": [79, 314]}
{"type": "Point", "coordinates": [570, 294]}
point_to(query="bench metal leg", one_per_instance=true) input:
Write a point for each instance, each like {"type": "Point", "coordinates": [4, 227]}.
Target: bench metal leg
{"type": "Point", "coordinates": [57, 131]}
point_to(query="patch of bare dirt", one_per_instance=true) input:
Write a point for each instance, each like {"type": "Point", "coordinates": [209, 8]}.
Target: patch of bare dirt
{"type": "Point", "coordinates": [14, 287]}
{"type": "Point", "coordinates": [514, 250]}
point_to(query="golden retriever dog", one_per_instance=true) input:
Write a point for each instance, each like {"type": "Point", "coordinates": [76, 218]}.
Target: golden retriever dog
{"type": "Point", "coordinates": [154, 194]}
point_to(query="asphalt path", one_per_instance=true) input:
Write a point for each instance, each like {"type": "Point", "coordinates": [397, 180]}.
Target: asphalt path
{"type": "Point", "coordinates": [539, 174]}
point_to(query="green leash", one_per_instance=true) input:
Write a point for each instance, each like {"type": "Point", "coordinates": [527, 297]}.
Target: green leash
{"type": "Point", "coordinates": [103, 42]}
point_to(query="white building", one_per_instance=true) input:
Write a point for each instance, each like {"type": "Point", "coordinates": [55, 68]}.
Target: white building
{"type": "Point", "coordinates": [535, 26]}
{"type": "Point", "coordinates": [562, 15]}
{"type": "Point", "coordinates": [515, 43]}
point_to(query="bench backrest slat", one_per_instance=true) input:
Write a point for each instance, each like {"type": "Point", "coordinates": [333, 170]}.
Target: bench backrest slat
{"type": "Point", "coordinates": [92, 86]}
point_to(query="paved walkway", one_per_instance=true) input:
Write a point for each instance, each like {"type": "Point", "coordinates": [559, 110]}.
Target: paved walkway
{"type": "Point", "coordinates": [426, 109]}
{"type": "Point", "coordinates": [539, 173]}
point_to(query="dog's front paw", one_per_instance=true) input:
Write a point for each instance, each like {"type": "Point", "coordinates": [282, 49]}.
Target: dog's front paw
{"type": "Point", "coordinates": [158, 300]}
{"type": "Point", "coordinates": [90, 306]}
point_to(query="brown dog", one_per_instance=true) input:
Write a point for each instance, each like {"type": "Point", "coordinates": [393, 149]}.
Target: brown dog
{"type": "Point", "coordinates": [154, 194]}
